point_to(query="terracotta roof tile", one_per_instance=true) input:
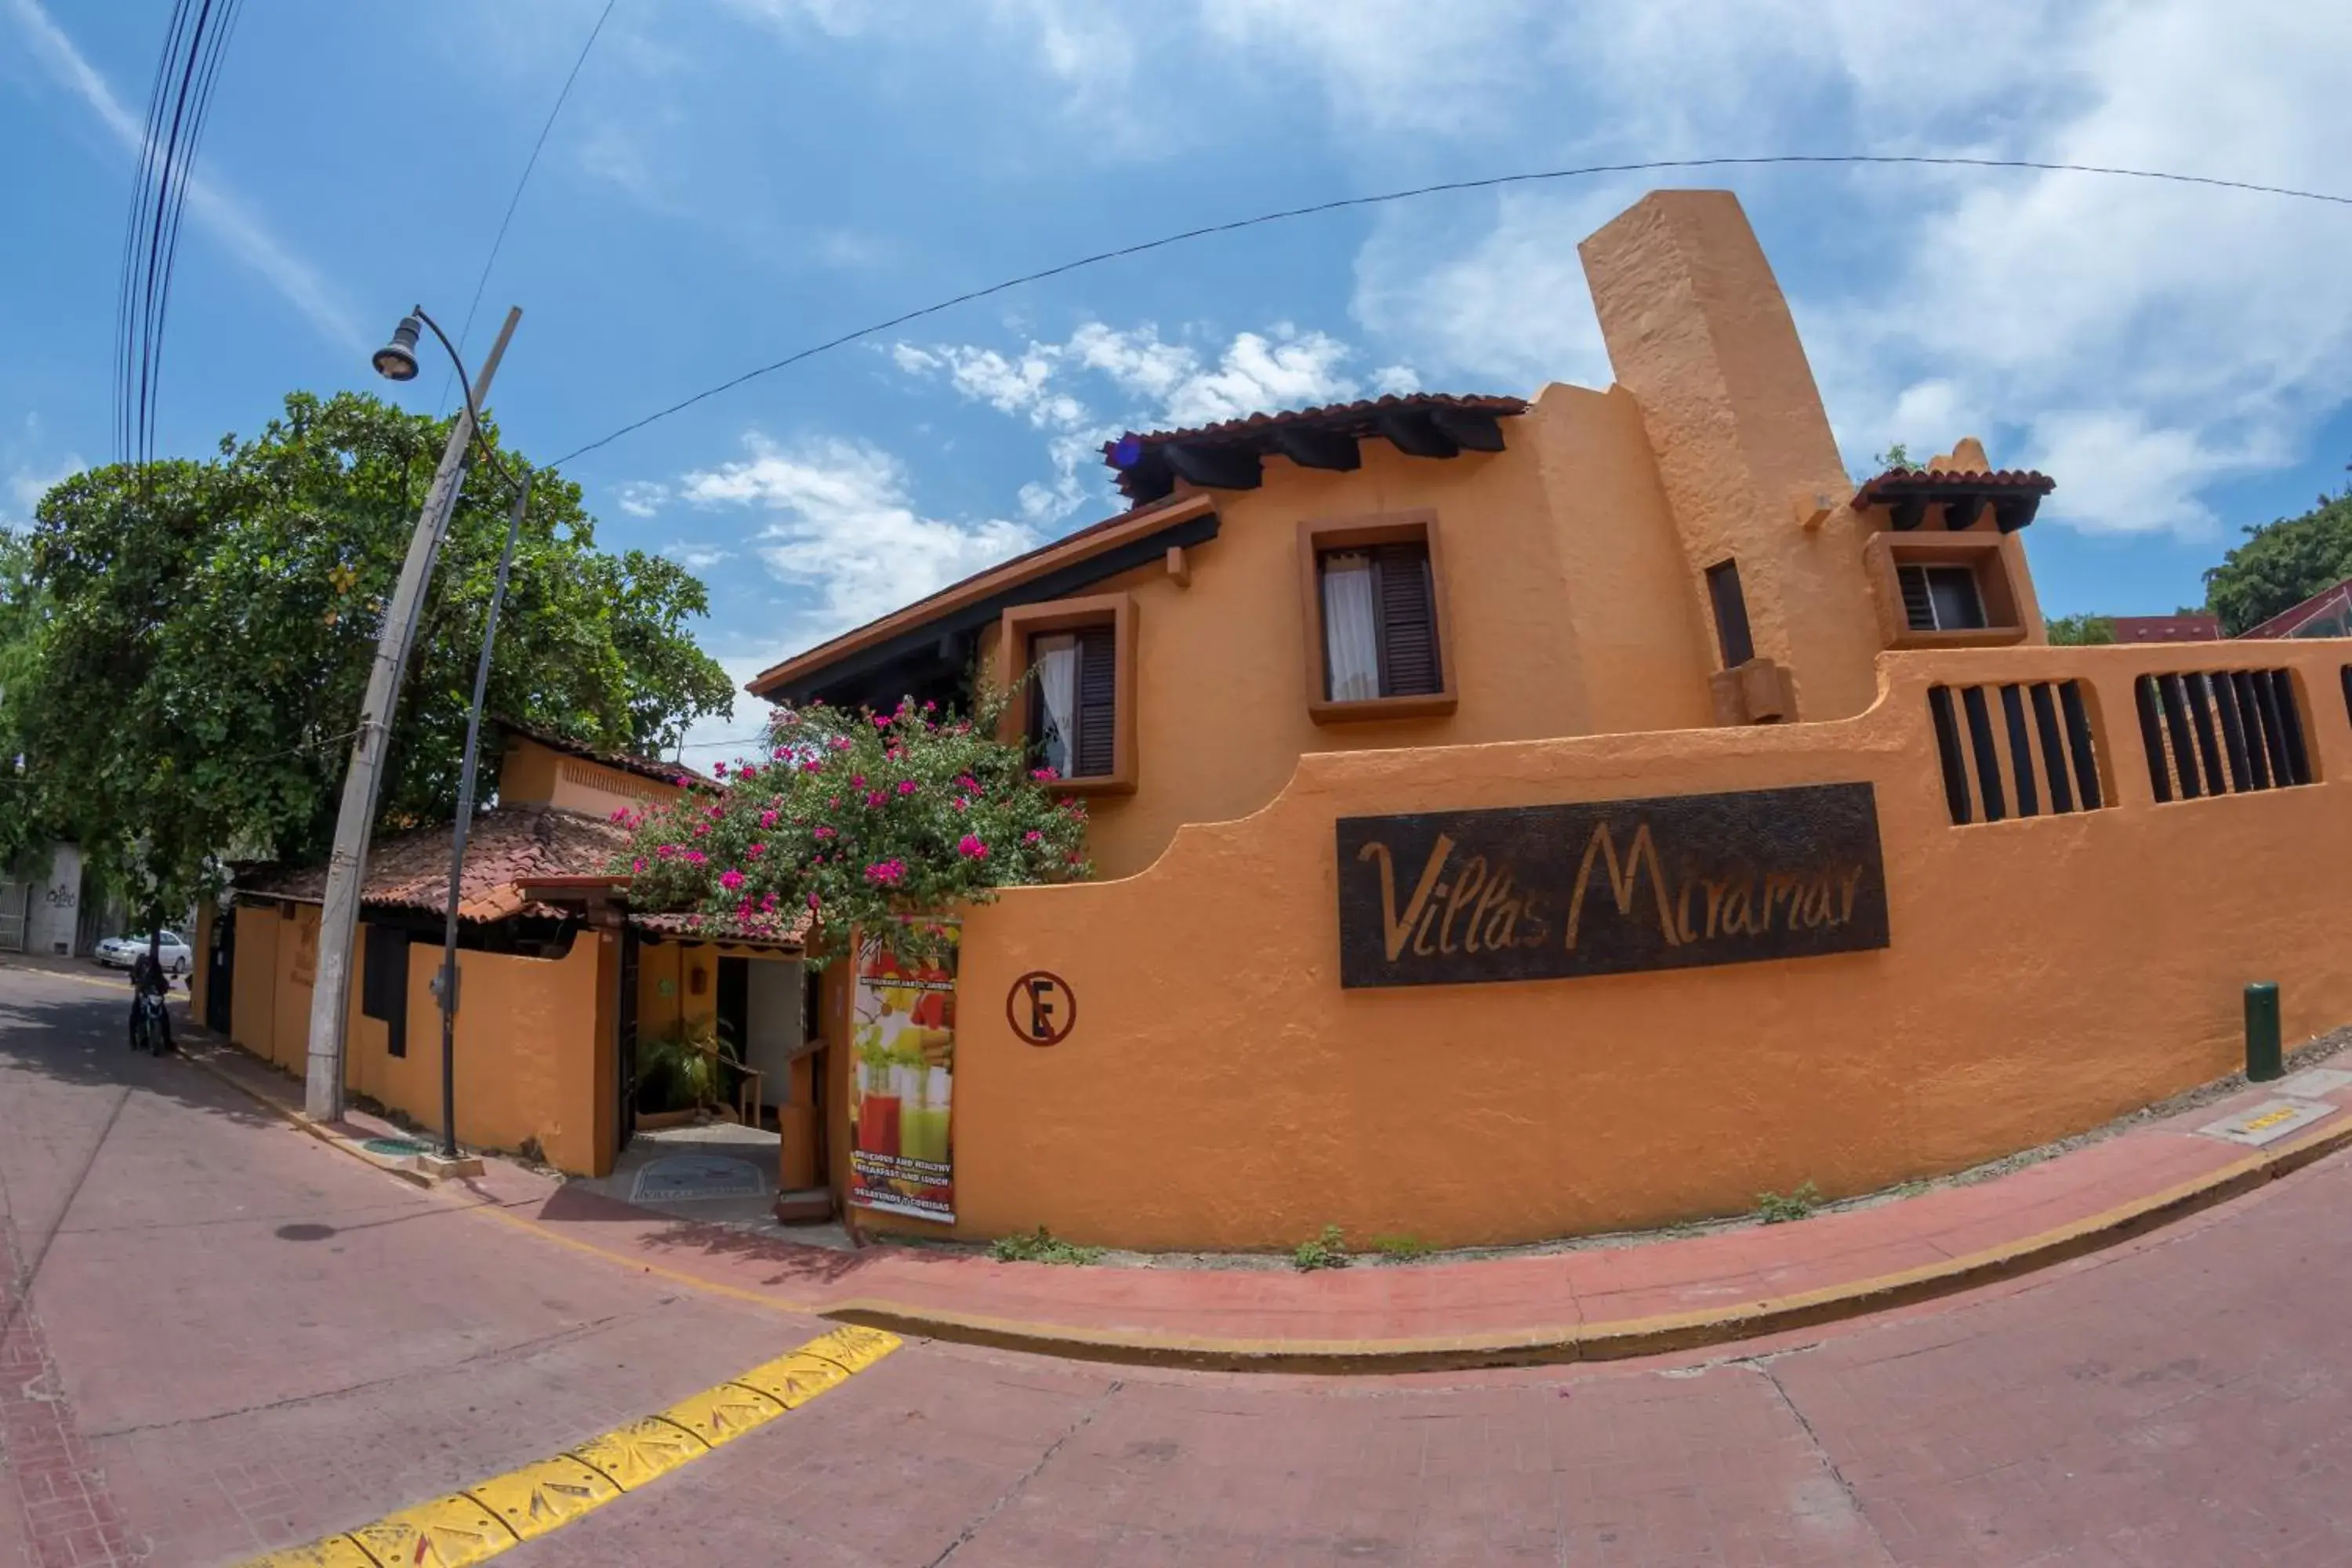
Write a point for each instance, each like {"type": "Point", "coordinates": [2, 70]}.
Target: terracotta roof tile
{"type": "Point", "coordinates": [719, 927]}
{"type": "Point", "coordinates": [507, 845]}
{"type": "Point", "coordinates": [1143, 472]}
{"type": "Point", "coordinates": [1334, 414]}
{"type": "Point", "coordinates": [1897, 482]}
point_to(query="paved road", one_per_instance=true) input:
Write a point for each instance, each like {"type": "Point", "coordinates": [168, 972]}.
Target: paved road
{"type": "Point", "coordinates": [237, 1338]}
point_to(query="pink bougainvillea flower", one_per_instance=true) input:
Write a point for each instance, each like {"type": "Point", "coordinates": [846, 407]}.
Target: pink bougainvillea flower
{"type": "Point", "coordinates": [782, 752]}
{"type": "Point", "coordinates": [664, 851]}
{"type": "Point", "coordinates": [702, 830]}
{"type": "Point", "coordinates": [908, 786]}
{"type": "Point", "coordinates": [930, 707]}
{"type": "Point", "coordinates": [962, 804]}
{"type": "Point", "coordinates": [876, 797]}
{"type": "Point", "coordinates": [881, 721]}
{"type": "Point", "coordinates": [718, 770]}
{"type": "Point", "coordinates": [813, 765]}
{"type": "Point", "coordinates": [1044, 775]}
{"type": "Point", "coordinates": [812, 899]}
{"type": "Point", "coordinates": [857, 781]}
{"type": "Point", "coordinates": [753, 851]}
{"type": "Point", "coordinates": [768, 901]}
{"type": "Point", "coordinates": [821, 833]}
{"type": "Point", "coordinates": [731, 878]}
{"type": "Point", "coordinates": [971, 847]}
{"type": "Point", "coordinates": [767, 819]}
{"type": "Point", "coordinates": [887, 873]}
{"type": "Point", "coordinates": [620, 816]}
{"type": "Point", "coordinates": [638, 865]}
{"type": "Point", "coordinates": [696, 857]}
{"type": "Point", "coordinates": [834, 802]}
{"type": "Point", "coordinates": [1033, 836]}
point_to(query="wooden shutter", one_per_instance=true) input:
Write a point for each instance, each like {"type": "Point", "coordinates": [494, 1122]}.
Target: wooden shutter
{"type": "Point", "coordinates": [1096, 751]}
{"type": "Point", "coordinates": [1919, 606]}
{"type": "Point", "coordinates": [1408, 621]}
{"type": "Point", "coordinates": [1730, 614]}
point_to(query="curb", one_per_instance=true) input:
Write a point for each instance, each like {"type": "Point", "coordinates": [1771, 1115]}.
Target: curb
{"type": "Point", "coordinates": [1621, 1338]}
{"type": "Point", "coordinates": [417, 1170]}
{"type": "Point", "coordinates": [1611, 1341]}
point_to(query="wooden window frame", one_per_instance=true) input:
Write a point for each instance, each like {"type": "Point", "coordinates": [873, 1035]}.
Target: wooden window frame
{"type": "Point", "coordinates": [1315, 538]}
{"type": "Point", "coordinates": [1885, 555]}
{"type": "Point", "coordinates": [1116, 611]}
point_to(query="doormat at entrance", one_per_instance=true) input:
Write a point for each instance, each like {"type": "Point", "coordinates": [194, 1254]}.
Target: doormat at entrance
{"type": "Point", "coordinates": [676, 1177]}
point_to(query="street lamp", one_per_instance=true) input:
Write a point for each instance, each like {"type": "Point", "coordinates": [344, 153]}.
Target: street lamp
{"type": "Point", "coordinates": [322, 1097]}
{"type": "Point", "coordinates": [396, 361]}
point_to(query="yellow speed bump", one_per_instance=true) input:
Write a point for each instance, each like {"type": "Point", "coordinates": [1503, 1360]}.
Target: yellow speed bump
{"type": "Point", "coordinates": [335, 1551]}
{"type": "Point", "coordinates": [792, 1381]}
{"type": "Point", "coordinates": [447, 1533]}
{"type": "Point", "coordinates": [636, 1454]}
{"type": "Point", "coordinates": [539, 1497]}
{"type": "Point", "coordinates": [853, 1349]}
{"type": "Point", "coordinates": [504, 1511]}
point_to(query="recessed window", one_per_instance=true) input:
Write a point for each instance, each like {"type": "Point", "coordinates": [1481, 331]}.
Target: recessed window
{"type": "Point", "coordinates": [1941, 598]}
{"type": "Point", "coordinates": [1379, 624]}
{"type": "Point", "coordinates": [1074, 703]}
{"type": "Point", "coordinates": [1077, 713]}
{"type": "Point", "coordinates": [1372, 601]}
{"type": "Point", "coordinates": [1944, 590]}
{"type": "Point", "coordinates": [1731, 603]}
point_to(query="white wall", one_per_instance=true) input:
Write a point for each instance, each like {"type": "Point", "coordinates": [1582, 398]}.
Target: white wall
{"type": "Point", "coordinates": [773, 1023]}
{"type": "Point", "coordinates": [56, 904]}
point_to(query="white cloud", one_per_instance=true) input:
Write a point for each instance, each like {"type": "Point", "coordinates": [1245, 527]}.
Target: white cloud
{"type": "Point", "coordinates": [2142, 341]}
{"type": "Point", "coordinates": [842, 528]}
{"type": "Point", "coordinates": [215, 210]}
{"type": "Point", "coordinates": [697, 557]}
{"type": "Point", "coordinates": [30, 477]}
{"type": "Point", "coordinates": [642, 497]}
{"type": "Point", "coordinates": [1290, 370]}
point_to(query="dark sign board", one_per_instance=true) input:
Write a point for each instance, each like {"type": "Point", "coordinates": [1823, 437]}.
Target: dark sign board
{"type": "Point", "coordinates": [1550, 892]}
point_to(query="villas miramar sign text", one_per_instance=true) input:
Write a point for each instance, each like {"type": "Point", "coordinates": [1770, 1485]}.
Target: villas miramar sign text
{"type": "Point", "coordinates": [1550, 892]}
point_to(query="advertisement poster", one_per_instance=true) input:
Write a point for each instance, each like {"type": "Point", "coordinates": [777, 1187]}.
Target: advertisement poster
{"type": "Point", "coordinates": [901, 1159]}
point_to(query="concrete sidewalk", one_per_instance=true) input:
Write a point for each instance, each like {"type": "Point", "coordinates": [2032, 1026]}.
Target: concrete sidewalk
{"type": "Point", "coordinates": [1589, 1303]}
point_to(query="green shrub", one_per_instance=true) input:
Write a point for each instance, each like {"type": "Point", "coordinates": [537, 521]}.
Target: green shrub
{"type": "Point", "coordinates": [1402, 1247]}
{"type": "Point", "coordinates": [1325, 1251]}
{"type": "Point", "coordinates": [1042, 1246]}
{"type": "Point", "coordinates": [1774, 1209]}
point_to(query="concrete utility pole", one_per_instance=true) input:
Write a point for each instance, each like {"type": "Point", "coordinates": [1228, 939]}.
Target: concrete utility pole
{"type": "Point", "coordinates": [322, 1097]}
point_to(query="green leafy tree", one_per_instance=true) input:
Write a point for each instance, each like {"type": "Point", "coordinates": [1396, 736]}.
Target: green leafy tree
{"type": "Point", "coordinates": [2282, 563]}
{"type": "Point", "coordinates": [860, 820]}
{"type": "Point", "coordinates": [2081, 631]}
{"type": "Point", "coordinates": [187, 653]}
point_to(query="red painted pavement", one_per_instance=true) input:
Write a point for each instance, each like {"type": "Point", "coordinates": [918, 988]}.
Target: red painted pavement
{"type": "Point", "coordinates": [1378, 1301]}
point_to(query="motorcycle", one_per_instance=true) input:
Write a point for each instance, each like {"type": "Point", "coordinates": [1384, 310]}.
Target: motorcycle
{"type": "Point", "coordinates": [150, 1032]}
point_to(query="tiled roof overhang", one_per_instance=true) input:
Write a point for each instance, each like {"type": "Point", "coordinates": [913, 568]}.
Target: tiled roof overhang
{"type": "Point", "coordinates": [1228, 456]}
{"type": "Point", "coordinates": [2014, 495]}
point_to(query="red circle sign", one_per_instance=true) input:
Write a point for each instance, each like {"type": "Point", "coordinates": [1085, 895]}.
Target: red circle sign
{"type": "Point", "coordinates": [1042, 1008]}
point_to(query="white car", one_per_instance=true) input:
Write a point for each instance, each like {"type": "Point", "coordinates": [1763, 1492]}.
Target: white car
{"type": "Point", "coordinates": [122, 951]}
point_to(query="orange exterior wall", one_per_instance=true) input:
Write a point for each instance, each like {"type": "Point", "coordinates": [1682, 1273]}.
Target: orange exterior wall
{"type": "Point", "coordinates": [530, 773]}
{"type": "Point", "coordinates": [1574, 562]}
{"type": "Point", "coordinates": [534, 1046]}
{"type": "Point", "coordinates": [1567, 609]}
{"type": "Point", "coordinates": [1221, 1091]}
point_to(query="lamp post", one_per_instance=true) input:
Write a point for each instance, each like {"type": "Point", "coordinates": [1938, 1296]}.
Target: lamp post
{"type": "Point", "coordinates": [402, 367]}
{"type": "Point", "coordinates": [339, 912]}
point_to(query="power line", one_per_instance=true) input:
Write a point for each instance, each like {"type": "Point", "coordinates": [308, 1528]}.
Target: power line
{"type": "Point", "coordinates": [516, 200]}
{"type": "Point", "coordinates": [1343, 203]}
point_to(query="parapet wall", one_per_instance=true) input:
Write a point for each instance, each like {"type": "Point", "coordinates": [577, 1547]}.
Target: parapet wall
{"type": "Point", "coordinates": [2041, 974]}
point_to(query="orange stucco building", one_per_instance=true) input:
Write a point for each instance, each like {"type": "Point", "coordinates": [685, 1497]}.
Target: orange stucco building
{"type": "Point", "coordinates": [1518, 818]}
{"type": "Point", "coordinates": [554, 1000]}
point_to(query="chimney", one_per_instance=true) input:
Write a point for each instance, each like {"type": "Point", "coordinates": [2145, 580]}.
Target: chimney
{"type": "Point", "coordinates": [1697, 330]}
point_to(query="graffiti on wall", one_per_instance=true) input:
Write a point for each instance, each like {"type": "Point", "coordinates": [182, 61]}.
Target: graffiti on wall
{"type": "Point", "coordinates": [1608, 887]}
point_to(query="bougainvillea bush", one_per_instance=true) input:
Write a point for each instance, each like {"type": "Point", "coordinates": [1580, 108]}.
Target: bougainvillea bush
{"type": "Point", "coordinates": [857, 820]}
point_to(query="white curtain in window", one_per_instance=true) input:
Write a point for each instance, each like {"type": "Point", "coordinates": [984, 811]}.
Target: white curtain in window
{"type": "Point", "coordinates": [1057, 690]}
{"type": "Point", "coordinates": [1351, 640]}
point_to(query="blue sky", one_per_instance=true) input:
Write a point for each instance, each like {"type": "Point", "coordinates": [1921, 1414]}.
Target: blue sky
{"type": "Point", "coordinates": [734, 179]}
